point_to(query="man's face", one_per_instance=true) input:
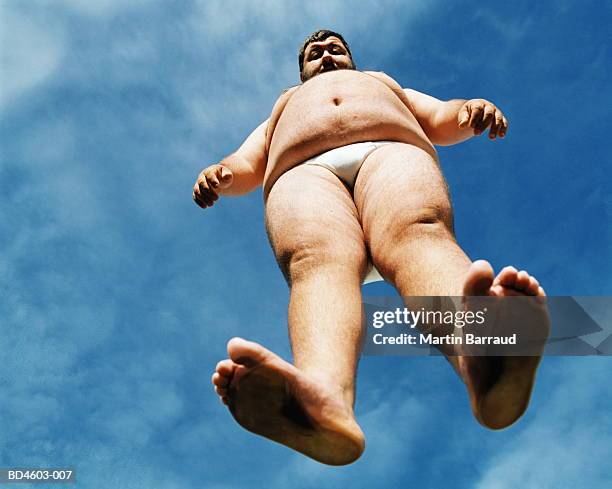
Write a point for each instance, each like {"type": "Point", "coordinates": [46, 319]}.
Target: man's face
{"type": "Point", "coordinates": [326, 55]}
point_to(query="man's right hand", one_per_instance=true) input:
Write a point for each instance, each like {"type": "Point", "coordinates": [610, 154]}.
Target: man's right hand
{"type": "Point", "coordinates": [208, 184]}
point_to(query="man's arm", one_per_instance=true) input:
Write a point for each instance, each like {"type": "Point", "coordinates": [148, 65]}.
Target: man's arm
{"type": "Point", "coordinates": [451, 122]}
{"type": "Point", "coordinates": [248, 163]}
{"type": "Point", "coordinates": [237, 174]}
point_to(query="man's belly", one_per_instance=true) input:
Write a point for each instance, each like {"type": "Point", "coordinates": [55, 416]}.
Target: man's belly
{"type": "Point", "coordinates": [302, 132]}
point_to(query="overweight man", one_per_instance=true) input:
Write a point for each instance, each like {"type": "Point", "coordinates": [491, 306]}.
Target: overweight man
{"type": "Point", "coordinates": [352, 189]}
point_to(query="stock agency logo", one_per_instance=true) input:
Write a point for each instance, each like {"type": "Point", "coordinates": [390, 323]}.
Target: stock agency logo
{"type": "Point", "coordinates": [430, 327]}
{"type": "Point", "coordinates": [488, 325]}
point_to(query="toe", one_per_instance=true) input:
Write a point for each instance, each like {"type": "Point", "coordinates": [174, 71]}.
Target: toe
{"type": "Point", "coordinates": [497, 290]}
{"type": "Point", "coordinates": [479, 279]}
{"type": "Point", "coordinates": [507, 277]}
{"type": "Point", "coordinates": [220, 380]}
{"type": "Point", "coordinates": [532, 288]}
{"type": "Point", "coordinates": [522, 280]}
{"type": "Point", "coordinates": [225, 368]}
{"type": "Point", "coordinates": [246, 353]}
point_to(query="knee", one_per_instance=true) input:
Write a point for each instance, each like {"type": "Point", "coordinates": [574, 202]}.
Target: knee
{"type": "Point", "coordinates": [308, 257]}
{"type": "Point", "coordinates": [411, 228]}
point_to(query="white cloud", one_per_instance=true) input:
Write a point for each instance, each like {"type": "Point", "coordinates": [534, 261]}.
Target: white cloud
{"type": "Point", "coordinates": [511, 30]}
{"type": "Point", "coordinates": [557, 448]}
{"type": "Point", "coordinates": [30, 53]}
{"type": "Point", "coordinates": [95, 8]}
{"type": "Point", "coordinates": [248, 54]}
{"type": "Point", "coordinates": [103, 257]}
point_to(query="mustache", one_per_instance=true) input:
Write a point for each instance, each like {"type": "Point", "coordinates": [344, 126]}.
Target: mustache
{"type": "Point", "coordinates": [328, 66]}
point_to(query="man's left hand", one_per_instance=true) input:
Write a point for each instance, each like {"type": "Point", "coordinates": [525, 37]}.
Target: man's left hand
{"type": "Point", "coordinates": [479, 114]}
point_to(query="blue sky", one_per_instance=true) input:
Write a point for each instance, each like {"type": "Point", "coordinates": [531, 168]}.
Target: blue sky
{"type": "Point", "coordinates": [118, 294]}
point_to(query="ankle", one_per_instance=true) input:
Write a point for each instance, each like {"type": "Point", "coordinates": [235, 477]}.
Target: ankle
{"type": "Point", "coordinates": [345, 390]}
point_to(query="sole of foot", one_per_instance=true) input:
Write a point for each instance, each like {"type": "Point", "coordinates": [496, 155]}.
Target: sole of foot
{"type": "Point", "coordinates": [272, 398]}
{"type": "Point", "coordinates": [500, 387]}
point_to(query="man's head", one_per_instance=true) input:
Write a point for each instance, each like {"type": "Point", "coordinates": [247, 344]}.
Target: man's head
{"type": "Point", "coordinates": [324, 51]}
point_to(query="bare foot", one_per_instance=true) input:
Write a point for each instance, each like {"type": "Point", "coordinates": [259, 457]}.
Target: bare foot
{"type": "Point", "coordinates": [272, 398]}
{"type": "Point", "coordinates": [500, 387]}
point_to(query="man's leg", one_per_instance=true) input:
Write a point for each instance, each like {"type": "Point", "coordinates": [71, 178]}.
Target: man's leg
{"type": "Point", "coordinates": [403, 202]}
{"type": "Point", "coordinates": [318, 242]}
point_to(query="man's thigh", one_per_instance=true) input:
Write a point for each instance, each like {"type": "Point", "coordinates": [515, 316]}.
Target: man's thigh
{"type": "Point", "coordinates": [401, 195]}
{"type": "Point", "coordinates": [312, 222]}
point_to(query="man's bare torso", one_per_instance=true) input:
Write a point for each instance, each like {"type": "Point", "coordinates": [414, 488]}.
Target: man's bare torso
{"type": "Point", "coordinates": [335, 109]}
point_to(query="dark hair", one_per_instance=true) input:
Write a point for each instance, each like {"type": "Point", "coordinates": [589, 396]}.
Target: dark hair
{"type": "Point", "coordinates": [317, 36]}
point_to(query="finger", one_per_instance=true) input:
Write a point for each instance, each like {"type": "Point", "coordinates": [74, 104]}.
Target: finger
{"type": "Point", "coordinates": [203, 199]}
{"type": "Point", "coordinates": [212, 180]}
{"type": "Point", "coordinates": [493, 130]}
{"type": "Point", "coordinates": [203, 203]}
{"type": "Point", "coordinates": [487, 116]}
{"type": "Point", "coordinates": [504, 127]}
{"type": "Point", "coordinates": [464, 115]}
{"type": "Point", "coordinates": [202, 184]}
{"type": "Point", "coordinates": [211, 196]}
{"type": "Point", "coordinates": [496, 125]}
{"type": "Point", "coordinates": [207, 200]}
{"type": "Point", "coordinates": [476, 115]}
{"type": "Point", "coordinates": [197, 198]}
{"type": "Point", "coordinates": [207, 193]}
{"type": "Point", "coordinates": [226, 177]}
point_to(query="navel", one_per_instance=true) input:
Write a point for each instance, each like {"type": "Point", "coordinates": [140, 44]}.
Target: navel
{"type": "Point", "coordinates": [337, 101]}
